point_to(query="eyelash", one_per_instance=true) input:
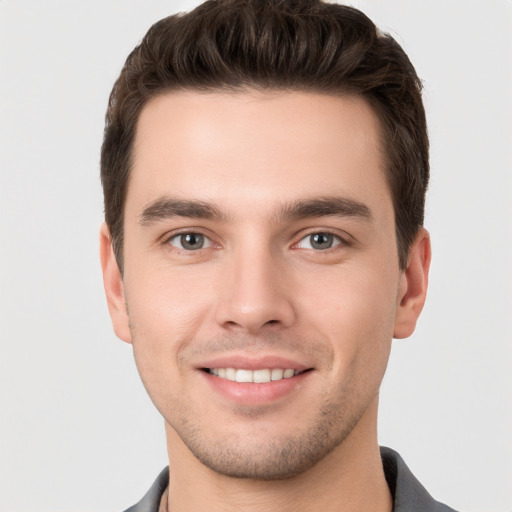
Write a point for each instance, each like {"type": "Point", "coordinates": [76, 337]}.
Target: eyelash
{"type": "Point", "coordinates": [166, 241]}
{"type": "Point", "coordinates": [337, 241]}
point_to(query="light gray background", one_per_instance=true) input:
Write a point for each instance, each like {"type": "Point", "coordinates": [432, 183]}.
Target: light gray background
{"type": "Point", "coordinates": [77, 431]}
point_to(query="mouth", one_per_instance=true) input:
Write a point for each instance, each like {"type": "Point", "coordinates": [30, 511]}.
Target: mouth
{"type": "Point", "coordinates": [254, 382]}
{"type": "Point", "coordinates": [257, 376]}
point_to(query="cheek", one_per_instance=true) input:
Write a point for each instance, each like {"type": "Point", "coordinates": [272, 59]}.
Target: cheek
{"type": "Point", "coordinates": [354, 310]}
{"type": "Point", "coordinates": [166, 312]}
{"type": "Point", "coordinates": [167, 304]}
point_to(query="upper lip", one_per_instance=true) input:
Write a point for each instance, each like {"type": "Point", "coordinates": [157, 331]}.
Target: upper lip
{"type": "Point", "coordinates": [245, 362]}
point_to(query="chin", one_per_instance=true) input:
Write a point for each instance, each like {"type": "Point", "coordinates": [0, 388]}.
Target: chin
{"type": "Point", "coordinates": [277, 458]}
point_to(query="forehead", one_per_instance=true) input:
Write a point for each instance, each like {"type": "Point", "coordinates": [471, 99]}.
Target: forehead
{"type": "Point", "coordinates": [257, 146]}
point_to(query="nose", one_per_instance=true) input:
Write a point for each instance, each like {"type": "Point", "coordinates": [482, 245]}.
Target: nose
{"type": "Point", "coordinates": [254, 294]}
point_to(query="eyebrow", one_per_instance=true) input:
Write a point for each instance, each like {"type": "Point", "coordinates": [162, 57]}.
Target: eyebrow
{"type": "Point", "coordinates": [325, 207]}
{"type": "Point", "coordinates": [168, 208]}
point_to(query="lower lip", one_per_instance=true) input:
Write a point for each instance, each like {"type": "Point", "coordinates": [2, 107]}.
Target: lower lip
{"type": "Point", "coordinates": [253, 393]}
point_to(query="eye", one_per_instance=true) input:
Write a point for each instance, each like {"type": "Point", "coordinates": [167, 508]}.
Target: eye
{"type": "Point", "coordinates": [189, 241]}
{"type": "Point", "coordinates": [319, 241]}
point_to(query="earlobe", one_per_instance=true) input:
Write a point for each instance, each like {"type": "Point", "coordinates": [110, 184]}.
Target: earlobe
{"type": "Point", "coordinates": [413, 286]}
{"type": "Point", "coordinates": [114, 288]}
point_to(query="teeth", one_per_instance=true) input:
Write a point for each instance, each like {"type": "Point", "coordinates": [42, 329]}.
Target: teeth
{"type": "Point", "coordinates": [244, 376]}
{"type": "Point", "coordinates": [277, 374]}
{"type": "Point", "coordinates": [261, 376]}
{"type": "Point", "coordinates": [257, 376]}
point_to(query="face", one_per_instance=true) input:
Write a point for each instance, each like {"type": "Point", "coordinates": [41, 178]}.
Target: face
{"type": "Point", "coordinates": [261, 285]}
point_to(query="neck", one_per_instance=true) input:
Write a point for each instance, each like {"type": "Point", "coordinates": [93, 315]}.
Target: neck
{"type": "Point", "coordinates": [348, 479]}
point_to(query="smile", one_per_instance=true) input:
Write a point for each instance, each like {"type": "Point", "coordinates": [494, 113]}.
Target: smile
{"type": "Point", "coordinates": [259, 376]}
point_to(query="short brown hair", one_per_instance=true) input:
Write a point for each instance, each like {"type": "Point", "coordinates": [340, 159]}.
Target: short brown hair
{"type": "Point", "coordinates": [275, 44]}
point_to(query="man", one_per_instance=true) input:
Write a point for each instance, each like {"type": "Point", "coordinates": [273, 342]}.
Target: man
{"type": "Point", "coordinates": [264, 169]}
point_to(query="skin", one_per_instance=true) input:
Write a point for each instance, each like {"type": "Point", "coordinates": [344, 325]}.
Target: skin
{"type": "Point", "coordinates": [260, 288]}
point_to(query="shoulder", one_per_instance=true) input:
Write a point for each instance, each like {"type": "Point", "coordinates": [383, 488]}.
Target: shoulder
{"type": "Point", "coordinates": [407, 491]}
{"type": "Point", "coordinates": [151, 500]}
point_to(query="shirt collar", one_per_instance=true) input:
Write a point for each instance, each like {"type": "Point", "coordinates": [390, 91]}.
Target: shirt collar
{"type": "Point", "coordinates": [408, 493]}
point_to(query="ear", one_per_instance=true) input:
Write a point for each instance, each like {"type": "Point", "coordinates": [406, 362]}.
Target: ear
{"type": "Point", "coordinates": [413, 286]}
{"type": "Point", "coordinates": [114, 288]}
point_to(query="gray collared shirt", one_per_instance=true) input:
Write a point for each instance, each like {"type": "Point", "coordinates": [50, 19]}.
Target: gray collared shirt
{"type": "Point", "coordinates": [408, 494]}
